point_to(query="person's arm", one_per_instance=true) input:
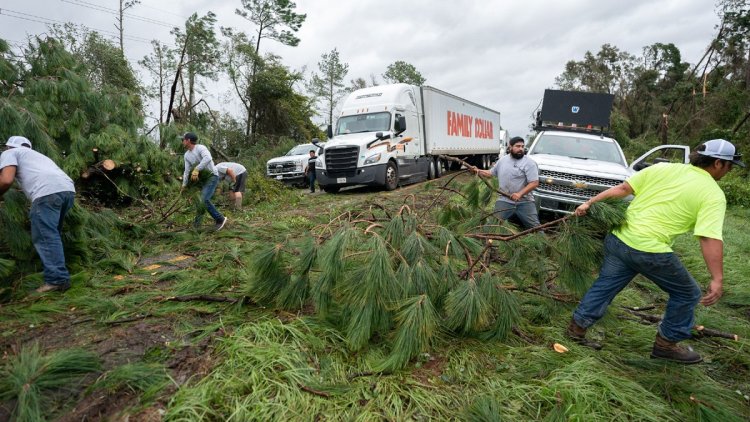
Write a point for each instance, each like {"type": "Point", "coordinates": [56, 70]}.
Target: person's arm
{"type": "Point", "coordinates": [7, 176]}
{"type": "Point", "coordinates": [205, 156]}
{"type": "Point", "coordinates": [526, 189]}
{"type": "Point", "coordinates": [620, 191]}
{"type": "Point", "coordinates": [480, 172]}
{"type": "Point", "coordinates": [186, 173]}
{"type": "Point", "coordinates": [713, 254]}
{"type": "Point", "coordinates": [231, 174]}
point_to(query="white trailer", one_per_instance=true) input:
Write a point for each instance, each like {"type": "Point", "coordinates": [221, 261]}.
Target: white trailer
{"type": "Point", "coordinates": [391, 135]}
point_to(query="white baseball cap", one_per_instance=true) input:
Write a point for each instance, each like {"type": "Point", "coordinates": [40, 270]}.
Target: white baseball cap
{"type": "Point", "coordinates": [17, 142]}
{"type": "Point", "coordinates": [723, 150]}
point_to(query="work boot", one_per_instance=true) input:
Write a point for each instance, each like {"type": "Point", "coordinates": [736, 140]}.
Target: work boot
{"type": "Point", "coordinates": [46, 288]}
{"type": "Point", "coordinates": [578, 334]}
{"type": "Point", "coordinates": [670, 350]}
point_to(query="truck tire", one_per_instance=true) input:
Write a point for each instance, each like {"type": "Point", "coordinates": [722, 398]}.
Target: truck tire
{"type": "Point", "coordinates": [331, 189]}
{"type": "Point", "coordinates": [431, 169]}
{"type": "Point", "coordinates": [391, 176]}
{"type": "Point", "coordinates": [438, 167]}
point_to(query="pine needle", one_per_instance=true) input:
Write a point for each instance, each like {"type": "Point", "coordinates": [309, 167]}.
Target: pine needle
{"type": "Point", "coordinates": [505, 308]}
{"type": "Point", "coordinates": [417, 326]}
{"type": "Point", "coordinates": [466, 309]}
{"type": "Point", "coordinates": [28, 378]}
{"type": "Point", "coordinates": [269, 274]}
{"type": "Point", "coordinates": [333, 265]}
{"type": "Point", "coordinates": [369, 293]}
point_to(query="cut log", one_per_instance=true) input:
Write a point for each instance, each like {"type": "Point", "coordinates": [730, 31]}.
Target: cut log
{"type": "Point", "coordinates": [108, 165]}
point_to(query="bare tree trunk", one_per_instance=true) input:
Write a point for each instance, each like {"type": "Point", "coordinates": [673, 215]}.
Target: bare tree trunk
{"type": "Point", "coordinates": [177, 77]}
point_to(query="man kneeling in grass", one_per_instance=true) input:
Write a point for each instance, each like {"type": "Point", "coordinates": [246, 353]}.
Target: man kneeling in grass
{"type": "Point", "coordinates": [670, 199]}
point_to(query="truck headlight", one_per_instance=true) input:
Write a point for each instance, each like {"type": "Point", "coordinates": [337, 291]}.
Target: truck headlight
{"type": "Point", "coordinates": [373, 159]}
{"type": "Point", "coordinates": [299, 166]}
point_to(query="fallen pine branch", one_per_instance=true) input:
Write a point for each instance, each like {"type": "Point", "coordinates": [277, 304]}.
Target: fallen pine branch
{"type": "Point", "coordinates": [126, 320]}
{"type": "Point", "coordinates": [202, 298]}
{"type": "Point", "coordinates": [702, 331]}
{"type": "Point", "coordinates": [312, 391]}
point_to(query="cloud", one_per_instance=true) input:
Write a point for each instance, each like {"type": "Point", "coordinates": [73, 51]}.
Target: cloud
{"type": "Point", "coordinates": [501, 54]}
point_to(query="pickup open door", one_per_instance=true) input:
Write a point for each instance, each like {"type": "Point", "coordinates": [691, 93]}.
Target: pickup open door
{"type": "Point", "coordinates": [662, 154]}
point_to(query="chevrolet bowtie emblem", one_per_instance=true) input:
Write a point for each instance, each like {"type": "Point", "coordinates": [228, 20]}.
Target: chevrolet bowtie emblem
{"type": "Point", "coordinates": [580, 185]}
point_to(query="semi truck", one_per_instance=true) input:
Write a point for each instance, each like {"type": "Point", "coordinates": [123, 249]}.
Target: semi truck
{"type": "Point", "coordinates": [577, 159]}
{"type": "Point", "coordinates": [391, 135]}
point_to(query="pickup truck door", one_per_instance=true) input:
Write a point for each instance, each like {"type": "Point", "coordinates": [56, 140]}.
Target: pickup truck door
{"type": "Point", "coordinates": [662, 154]}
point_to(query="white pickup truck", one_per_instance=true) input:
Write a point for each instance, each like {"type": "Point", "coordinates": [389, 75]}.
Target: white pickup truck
{"type": "Point", "coordinates": [290, 168]}
{"type": "Point", "coordinates": [575, 157]}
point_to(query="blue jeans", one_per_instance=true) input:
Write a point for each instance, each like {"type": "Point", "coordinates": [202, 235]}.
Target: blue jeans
{"type": "Point", "coordinates": [205, 203]}
{"type": "Point", "coordinates": [524, 210]}
{"type": "Point", "coordinates": [311, 176]}
{"type": "Point", "coordinates": [47, 215]}
{"type": "Point", "coordinates": [621, 264]}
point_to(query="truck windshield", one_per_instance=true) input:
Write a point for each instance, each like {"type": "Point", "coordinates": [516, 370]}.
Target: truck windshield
{"type": "Point", "coordinates": [302, 149]}
{"type": "Point", "coordinates": [581, 148]}
{"type": "Point", "coordinates": [373, 122]}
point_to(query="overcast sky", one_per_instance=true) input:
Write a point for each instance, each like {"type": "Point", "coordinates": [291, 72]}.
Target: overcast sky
{"type": "Point", "coordinates": [501, 54]}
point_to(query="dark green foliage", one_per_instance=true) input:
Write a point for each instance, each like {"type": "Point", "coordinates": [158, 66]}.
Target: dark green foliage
{"type": "Point", "coordinates": [29, 378]}
{"type": "Point", "coordinates": [417, 326]}
{"type": "Point", "coordinates": [370, 293]}
{"type": "Point", "coordinates": [332, 265]}
{"type": "Point", "coordinates": [467, 310]}
{"type": "Point", "coordinates": [504, 305]}
{"type": "Point", "coordinates": [269, 276]}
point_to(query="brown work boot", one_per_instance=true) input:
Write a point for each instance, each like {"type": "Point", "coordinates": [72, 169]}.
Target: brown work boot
{"type": "Point", "coordinates": [578, 334]}
{"type": "Point", "coordinates": [670, 350]}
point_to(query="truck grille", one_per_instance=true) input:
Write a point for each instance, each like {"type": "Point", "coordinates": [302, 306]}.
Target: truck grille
{"type": "Point", "coordinates": [341, 161]}
{"type": "Point", "coordinates": [589, 180]}
{"type": "Point", "coordinates": [567, 190]}
{"type": "Point", "coordinates": [283, 167]}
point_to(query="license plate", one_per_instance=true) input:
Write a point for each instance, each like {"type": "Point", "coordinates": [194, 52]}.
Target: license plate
{"type": "Point", "coordinates": [341, 180]}
{"type": "Point", "coordinates": [279, 177]}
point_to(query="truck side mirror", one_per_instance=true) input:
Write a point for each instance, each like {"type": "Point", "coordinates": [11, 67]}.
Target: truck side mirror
{"type": "Point", "coordinates": [400, 124]}
{"type": "Point", "coordinates": [329, 131]}
{"type": "Point", "coordinates": [315, 141]}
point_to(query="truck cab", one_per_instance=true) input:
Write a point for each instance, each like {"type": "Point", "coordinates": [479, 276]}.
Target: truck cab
{"type": "Point", "coordinates": [376, 141]}
{"type": "Point", "coordinates": [576, 158]}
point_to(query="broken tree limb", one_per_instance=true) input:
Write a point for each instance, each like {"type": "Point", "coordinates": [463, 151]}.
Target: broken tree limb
{"type": "Point", "coordinates": [106, 165]}
{"type": "Point", "coordinates": [470, 167]}
{"type": "Point", "coordinates": [702, 331]}
{"type": "Point", "coordinates": [205, 298]}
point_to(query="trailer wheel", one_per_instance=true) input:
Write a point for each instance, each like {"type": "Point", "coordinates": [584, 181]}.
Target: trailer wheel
{"type": "Point", "coordinates": [438, 167]}
{"type": "Point", "coordinates": [391, 176]}
{"type": "Point", "coordinates": [331, 189]}
{"type": "Point", "coordinates": [431, 169]}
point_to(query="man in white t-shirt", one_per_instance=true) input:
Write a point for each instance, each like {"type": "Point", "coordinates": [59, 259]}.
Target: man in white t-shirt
{"type": "Point", "coordinates": [52, 194]}
{"type": "Point", "coordinates": [198, 158]}
{"type": "Point", "coordinates": [237, 173]}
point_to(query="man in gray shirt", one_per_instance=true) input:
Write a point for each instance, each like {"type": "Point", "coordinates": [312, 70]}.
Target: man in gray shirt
{"type": "Point", "coordinates": [198, 158]}
{"type": "Point", "coordinates": [52, 194]}
{"type": "Point", "coordinates": [237, 173]}
{"type": "Point", "coordinates": [518, 176]}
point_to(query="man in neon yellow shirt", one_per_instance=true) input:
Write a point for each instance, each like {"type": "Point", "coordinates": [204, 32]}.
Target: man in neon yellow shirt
{"type": "Point", "coordinates": [670, 199]}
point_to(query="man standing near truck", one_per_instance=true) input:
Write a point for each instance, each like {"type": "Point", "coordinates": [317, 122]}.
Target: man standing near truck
{"type": "Point", "coordinates": [518, 176]}
{"type": "Point", "coordinates": [310, 170]}
{"type": "Point", "coordinates": [198, 158]}
{"type": "Point", "coordinates": [670, 199]}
